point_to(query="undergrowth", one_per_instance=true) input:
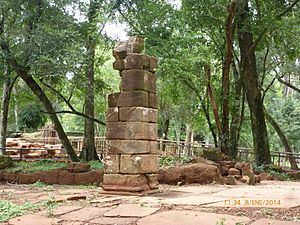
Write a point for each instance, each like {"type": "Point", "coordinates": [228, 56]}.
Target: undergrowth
{"type": "Point", "coordinates": [174, 161]}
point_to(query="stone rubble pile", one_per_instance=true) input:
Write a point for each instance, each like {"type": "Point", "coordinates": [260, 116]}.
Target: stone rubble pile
{"type": "Point", "coordinates": [131, 163]}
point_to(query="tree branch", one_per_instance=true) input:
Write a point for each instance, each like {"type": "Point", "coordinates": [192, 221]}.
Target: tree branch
{"type": "Point", "coordinates": [78, 114]}
{"type": "Point", "coordinates": [288, 84]}
{"type": "Point", "coordinates": [67, 101]}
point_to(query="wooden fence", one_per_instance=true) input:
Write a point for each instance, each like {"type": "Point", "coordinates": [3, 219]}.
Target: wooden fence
{"type": "Point", "coordinates": [172, 148]}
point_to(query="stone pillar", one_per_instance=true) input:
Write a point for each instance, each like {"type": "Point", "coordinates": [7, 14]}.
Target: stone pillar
{"type": "Point", "coordinates": [131, 163]}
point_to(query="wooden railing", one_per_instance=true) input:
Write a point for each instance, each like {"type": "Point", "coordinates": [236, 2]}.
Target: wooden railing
{"type": "Point", "coordinates": [173, 148]}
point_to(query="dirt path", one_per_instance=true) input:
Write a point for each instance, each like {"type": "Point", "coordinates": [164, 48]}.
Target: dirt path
{"type": "Point", "coordinates": [272, 202]}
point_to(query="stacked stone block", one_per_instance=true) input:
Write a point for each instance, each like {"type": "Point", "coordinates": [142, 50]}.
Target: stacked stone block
{"type": "Point", "coordinates": [131, 163]}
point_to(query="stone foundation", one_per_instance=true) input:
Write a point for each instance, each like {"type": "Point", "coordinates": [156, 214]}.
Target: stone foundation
{"type": "Point", "coordinates": [131, 162]}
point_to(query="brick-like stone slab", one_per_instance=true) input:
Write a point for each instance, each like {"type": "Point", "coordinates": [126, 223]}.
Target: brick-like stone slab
{"type": "Point", "coordinates": [112, 99]}
{"type": "Point", "coordinates": [152, 180]}
{"type": "Point", "coordinates": [135, 164]}
{"type": "Point", "coordinates": [132, 210]}
{"type": "Point", "coordinates": [138, 114]}
{"type": "Point", "coordinates": [113, 221]}
{"type": "Point", "coordinates": [136, 61]}
{"type": "Point", "coordinates": [152, 100]}
{"type": "Point", "coordinates": [187, 217]}
{"type": "Point", "coordinates": [153, 64]}
{"type": "Point", "coordinates": [125, 182]}
{"type": "Point", "coordinates": [119, 64]}
{"type": "Point", "coordinates": [273, 222]}
{"type": "Point", "coordinates": [153, 145]}
{"type": "Point", "coordinates": [128, 146]}
{"type": "Point", "coordinates": [134, 47]}
{"type": "Point", "coordinates": [112, 164]}
{"type": "Point", "coordinates": [33, 219]}
{"type": "Point", "coordinates": [133, 98]}
{"type": "Point", "coordinates": [131, 130]}
{"type": "Point", "coordinates": [137, 79]}
{"type": "Point", "coordinates": [112, 114]}
{"type": "Point", "coordinates": [120, 50]}
{"type": "Point", "coordinates": [84, 214]}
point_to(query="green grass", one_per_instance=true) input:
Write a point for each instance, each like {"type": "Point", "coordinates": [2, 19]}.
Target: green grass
{"type": "Point", "coordinates": [37, 166]}
{"type": "Point", "coordinates": [45, 165]}
{"type": "Point", "coordinates": [173, 161]}
{"type": "Point", "coordinates": [10, 210]}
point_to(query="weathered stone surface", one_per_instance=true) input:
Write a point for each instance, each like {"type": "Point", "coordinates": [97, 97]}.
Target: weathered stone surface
{"type": "Point", "coordinates": [233, 171]}
{"type": "Point", "coordinates": [152, 180]}
{"type": "Point", "coordinates": [120, 50]}
{"type": "Point", "coordinates": [212, 154]}
{"type": "Point", "coordinates": [152, 64]}
{"type": "Point", "coordinates": [66, 177]}
{"type": "Point", "coordinates": [134, 164]}
{"type": "Point", "coordinates": [112, 114]}
{"type": "Point", "coordinates": [265, 176]}
{"type": "Point", "coordinates": [133, 98]}
{"type": "Point", "coordinates": [112, 164]}
{"type": "Point", "coordinates": [153, 145]}
{"type": "Point", "coordinates": [119, 64]}
{"type": "Point", "coordinates": [131, 210]}
{"type": "Point", "coordinates": [152, 100]}
{"type": "Point", "coordinates": [84, 214]}
{"type": "Point", "coordinates": [247, 170]}
{"type": "Point", "coordinates": [125, 182]}
{"type": "Point", "coordinates": [51, 176]}
{"type": "Point", "coordinates": [138, 114]}
{"type": "Point", "coordinates": [229, 180]}
{"type": "Point", "coordinates": [186, 174]}
{"type": "Point", "coordinates": [113, 221]}
{"type": "Point", "coordinates": [77, 167]}
{"type": "Point", "coordinates": [136, 61]}
{"type": "Point", "coordinates": [24, 178]}
{"type": "Point", "coordinates": [33, 219]}
{"type": "Point", "coordinates": [5, 162]}
{"type": "Point", "coordinates": [112, 99]}
{"type": "Point", "coordinates": [239, 166]}
{"type": "Point", "coordinates": [136, 39]}
{"type": "Point", "coordinates": [265, 221]}
{"type": "Point", "coordinates": [128, 146]}
{"type": "Point", "coordinates": [188, 217]}
{"type": "Point", "coordinates": [137, 79]}
{"type": "Point", "coordinates": [131, 130]}
{"type": "Point", "coordinates": [134, 47]}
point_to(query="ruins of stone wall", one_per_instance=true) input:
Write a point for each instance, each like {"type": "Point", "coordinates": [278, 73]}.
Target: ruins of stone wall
{"type": "Point", "coordinates": [131, 163]}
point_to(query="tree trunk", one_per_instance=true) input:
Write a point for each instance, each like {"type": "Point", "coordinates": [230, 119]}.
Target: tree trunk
{"type": "Point", "coordinates": [89, 152]}
{"type": "Point", "coordinates": [40, 94]}
{"type": "Point", "coordinates": [165, 131]}
{"type": "Point", "coordinates": [283, 139]}
{"type": "Point", "coordinates": [249, 79]}
{"type": "Point", "coordinates": [16, 108]}
{"type": "Point", "coordinates": [236, 117]}
{"type": "Point", "coordinates": [4, 113]}
{"type": "Point", "coordinates": [229, 30]}
{"type": "Point", "coordinates": [213, 101]}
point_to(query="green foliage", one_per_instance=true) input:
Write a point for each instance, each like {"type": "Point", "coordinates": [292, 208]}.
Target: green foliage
{"type": "Point", "coordinates": [5, 162]}
{"type": "Point", "coordinates": [173, 161]}
{"type": "Point", "coordinates": [31, 118]}
{"type": "Point", "coordinates": [96, 165]}
{"type": "Point", "coordinates": [37, 166]}
{"type": "Point", "coordinates": [273, 170]}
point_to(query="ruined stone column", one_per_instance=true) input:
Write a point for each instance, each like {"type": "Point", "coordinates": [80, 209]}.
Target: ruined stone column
{"type": "Point", "coordinates": [131, 163]}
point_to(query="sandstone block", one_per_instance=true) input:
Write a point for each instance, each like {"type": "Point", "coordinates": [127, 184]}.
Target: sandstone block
{"type": "Point", "coordinates": [131, 130]}
{"type": "Point", "coordinates": [112, 99]}
{"type": "Point", "coordinates": [136, 61]}
{"type": "Point", "coordinates": [152, 64]}
{"type": "Point", "coordinates": [153, 146]}
{"type": "Point", "coordinates": [112, 164]}
{"type": "Point", "coordinates": [119, 64]}
{"type": "Point", "coordinates": [230, 180]}
{"type": "Point", "coordinates": [133, 98]}
{"type": "Point", "coordinates": [134, 164]}
{"type": "Point", "coordinates": [212, 154]}
{"type": "Point", "coordinates": [66, 177]}
{"type": "Point", "coordinates": [134, 47]}
{"type": "Point", "coordinates": [138, 114]}
{"type": "Point", "coordinates": [128, 146]}
{"type": "Point", "coordinates": [152, 180]}
{"type": "Point", "coordinates": [152, 100]}
{"type": "Point", "coordinates": [233, 171]}
{"type": "Point", "coordinates": [125, 182]}
{"type": "Point", "coordinates": [137, 79]}
{"type": "Point", "coordinates": [112, 114]}
{"type": "Point", "coordinates": [120, 50]}
{"type": "Point", "coordinates": [76, 167]}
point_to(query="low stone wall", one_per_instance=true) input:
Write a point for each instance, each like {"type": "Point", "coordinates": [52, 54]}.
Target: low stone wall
{"type": "Point", "coordinates": [56, 176]}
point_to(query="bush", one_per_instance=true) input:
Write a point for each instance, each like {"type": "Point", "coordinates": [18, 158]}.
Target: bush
{"type": "Point", "coordinates": [5, 162]}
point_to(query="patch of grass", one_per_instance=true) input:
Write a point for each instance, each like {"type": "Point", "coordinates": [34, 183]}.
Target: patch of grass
{"type": "Point", "coordinates": [39, 184]}
{"type": "Point", "coordinates": [96, 165]}
{"type": "Point", "coordinates": [221, 222]}
{"type": "Point", "coordinates": [173, 161]}
{"type": "Point", "coordinates": [37, 166]}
